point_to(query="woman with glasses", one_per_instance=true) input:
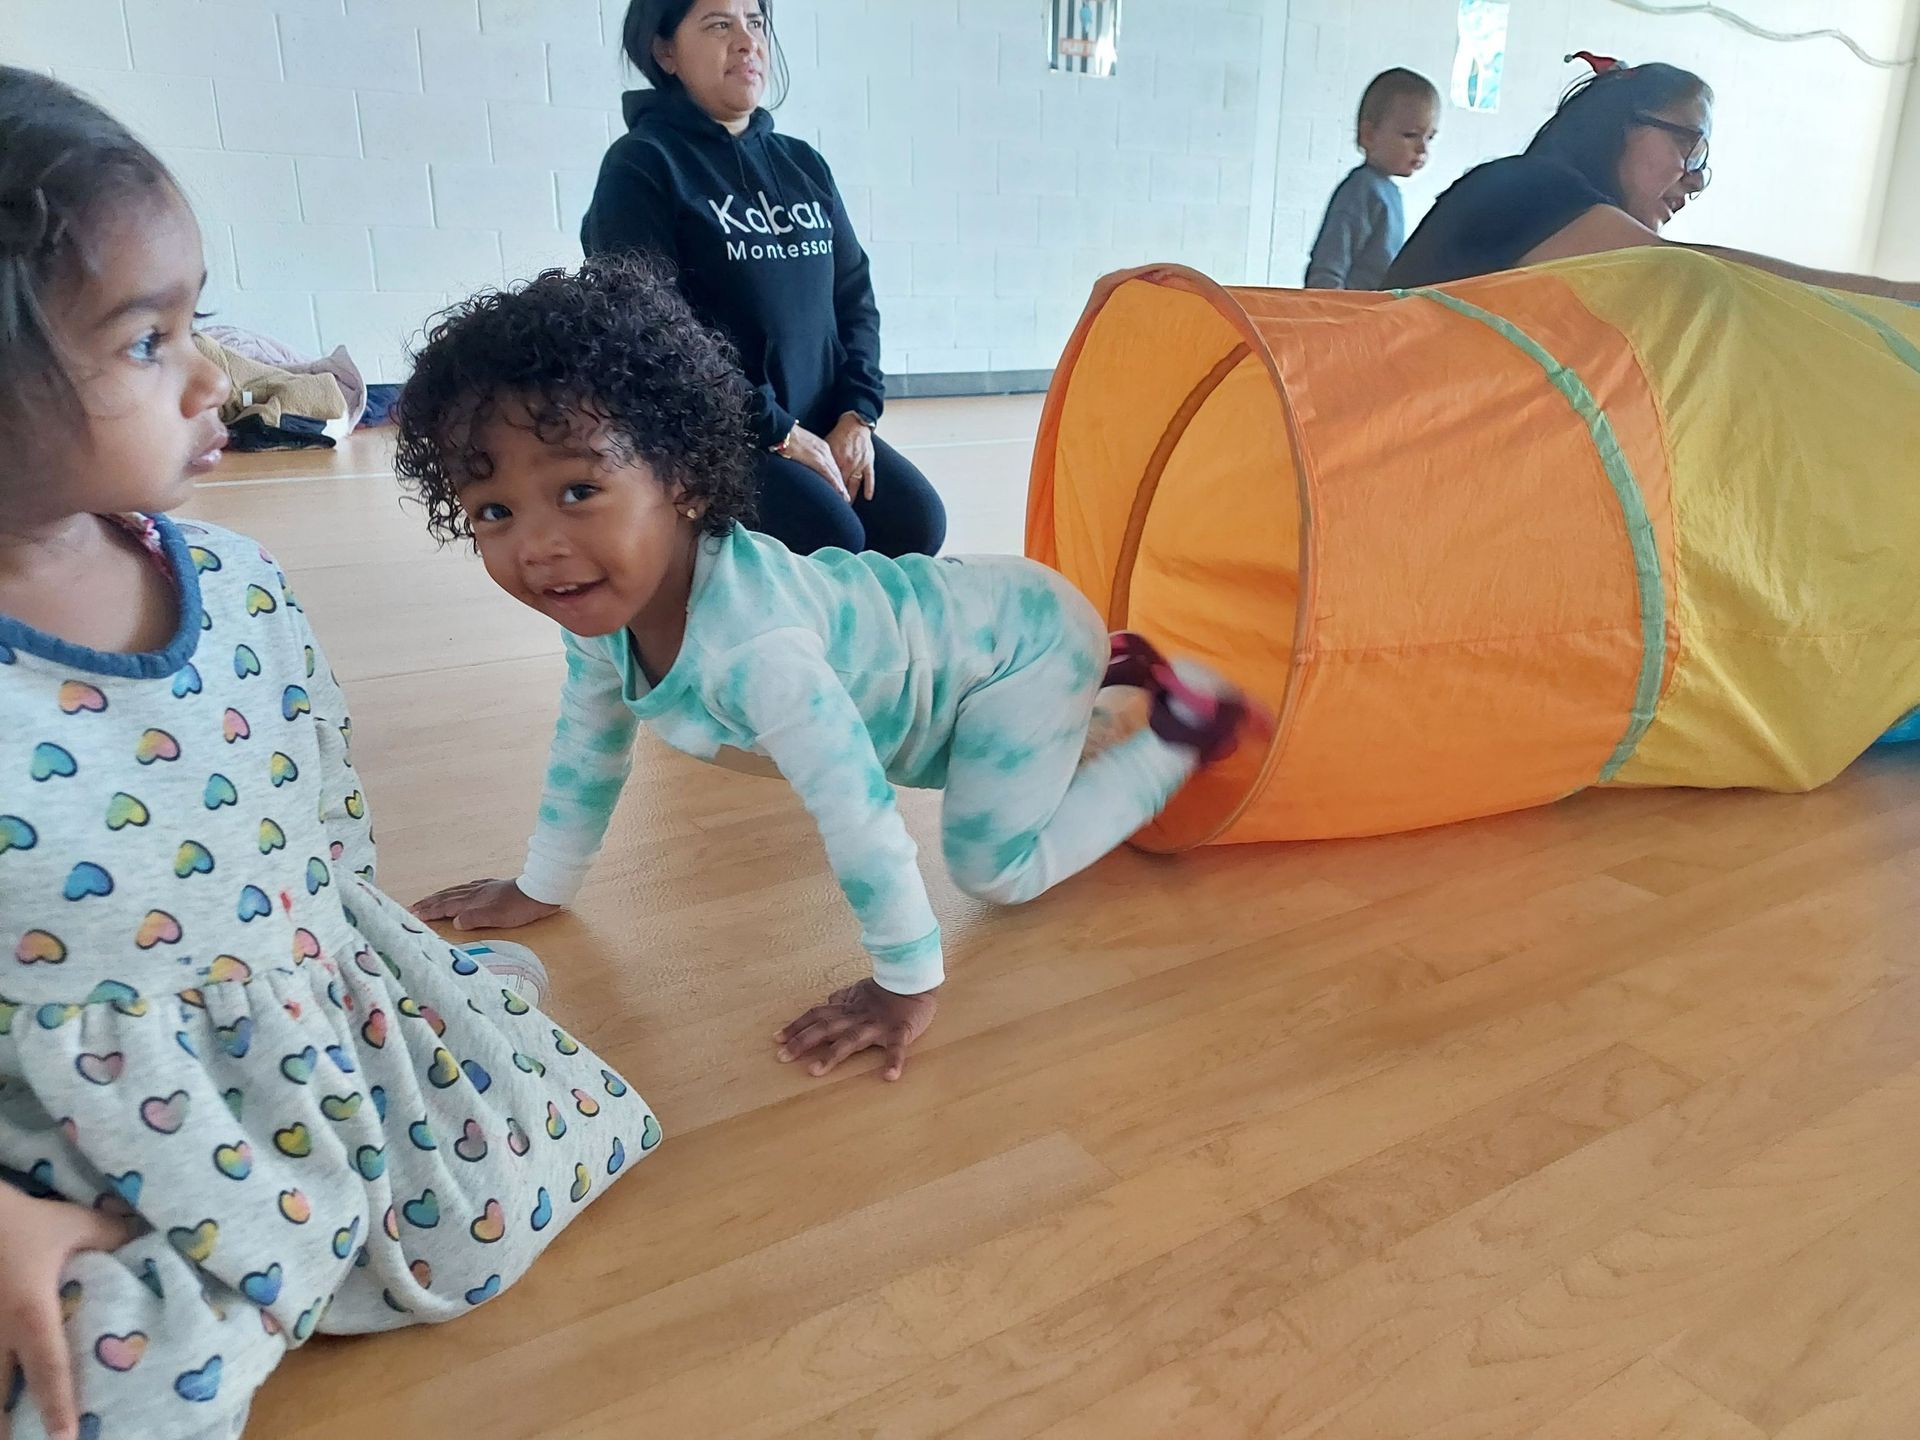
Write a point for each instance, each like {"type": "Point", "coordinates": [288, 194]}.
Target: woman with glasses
{"type": "Point", "coordinates": [1626, 151]}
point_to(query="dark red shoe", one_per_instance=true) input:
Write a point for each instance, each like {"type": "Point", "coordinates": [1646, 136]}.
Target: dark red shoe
{"type": "Point", "coordinates": [1180, 713]}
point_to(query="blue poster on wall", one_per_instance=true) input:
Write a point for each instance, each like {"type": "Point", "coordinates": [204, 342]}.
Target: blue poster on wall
{"type": "Point", "coordinates": [1482, 55]}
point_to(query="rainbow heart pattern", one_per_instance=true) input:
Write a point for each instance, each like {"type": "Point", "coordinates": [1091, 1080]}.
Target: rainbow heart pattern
{"type": "Point", "coordinates": [617, 1158]}
{"type": "Point", "coordinates": [649, 1133]}
{"type": "Point", "coordinates": [245, 662]}
{"type": "Point", "coordinates": [374, 1029]}
{"type": "Point", "coordinates": [443, 1072]}
{"type": "Point", "coordinates": [422, 1213]}
{"type": "Point", "coordinates": [295, 1208]}
{"type": "Point", "coordinates": [155, 745]}
{"type": "Point", "coordinates": [259, 602]}
{"type": "Point", "coordinates": [253, 903]}
{"type": "Point", "coordinates": [585, 1103]}
{"type": "Point", "coordinates": [262, 1287]}
{"type": "Point", "coordinates": [234, 727]}
{"type": "Point", "coordinates": [165, 1114]}
{"type": "Point", "coordinates": [124, 810]}
{"type": "Point", "coordinates": [556, 1122]}
{"type": "Point", "coordinates": [294, 1141]}
{"type": "Point", "coordinates": [79, 698]}
{"type": "Point", "coordinates": [200, 1386]}
{"type": "Point", "coordinates": [229, 967]}
{"type": "Point", "coordinates": [220, 791]}
{"type": "Point", "coordinates": [186, 681]}
{"type": "Point", "coordinates": [281, 770]}
{"type": "Point", "coordinates": [272, 837]}
{"type": "Point", "coordinates": [480, 1294]}
{"type": "Point", "coordinates": [542, 1210]}
{"type": "Point", "coordinates": [121, 1352]}
{"type": "Point", "coordinates": [86, 880]}
{"type": "Point", "coordinates": [490, 1227]}
{"type": "Point", "coordinates": [100, 1069]}
{"type": "Point", "coordinates": [52, 762]}
{"type": "Point", "coordinates": [294, 701]}
{"type": "Point", "coordinates": [582, 1183]}
{"type": "Point", "coordinates": [341, 1107]}
{"type": "Point", "coordinates": [195, 1243]}
{"type": "Point", "coordinates": [234, 1161]}
{"type": "Point", "coordinates": [192, 858]}
{"type": "Point", "coordinates": [40, 947]}
{"type": "Point", "coordinates": [472, 1144]}
{"type": "Point", "coordinates": [157, 928]}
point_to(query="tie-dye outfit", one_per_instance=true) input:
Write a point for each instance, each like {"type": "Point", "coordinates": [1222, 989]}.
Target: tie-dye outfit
{"type": "Point", "coordinates": [853, 674]}
{"type": "Point", "coordinates": [210, 1019]}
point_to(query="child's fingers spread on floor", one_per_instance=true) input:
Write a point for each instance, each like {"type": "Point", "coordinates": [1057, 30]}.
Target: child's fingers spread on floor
{"type": "Point", "coordinates": [817, 1036]}
{"type": "Point", "coordinates": [896, 1061]}
{"type": "Point", "coordinates": [851, 1042]}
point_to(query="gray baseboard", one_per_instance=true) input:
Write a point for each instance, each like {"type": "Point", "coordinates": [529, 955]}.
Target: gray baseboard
{"type": "Point", "coordinates": [968, 382]}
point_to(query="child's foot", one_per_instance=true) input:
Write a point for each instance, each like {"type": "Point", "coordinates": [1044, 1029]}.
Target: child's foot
{"type": "Point", "coordinates": [516, 967]}
{"type": "Point", "coordinates": [1191, 705]}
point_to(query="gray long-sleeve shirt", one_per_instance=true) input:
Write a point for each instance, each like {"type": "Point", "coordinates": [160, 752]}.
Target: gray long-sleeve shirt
{"type": "Point", "coordinates": [1364, 229]}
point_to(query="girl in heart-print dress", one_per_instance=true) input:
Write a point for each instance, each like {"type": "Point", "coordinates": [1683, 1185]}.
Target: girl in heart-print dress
{"type": "Point", "coordinates": [323, 1117]}
{"type": "Point", "coordinates": [244, 1096]}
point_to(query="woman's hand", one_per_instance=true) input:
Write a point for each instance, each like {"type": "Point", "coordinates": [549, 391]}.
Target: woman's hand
{"type": "Point", "coordinates": [860, 1017]}
{"type": "Point", "coordinates": [37, 1239]}
{"type": "Point", "coordinates": [808, 449]}
{"type": "Point", "coordinates": [484, 905]}
{"type": "Point", "coordinates": [852, 446]}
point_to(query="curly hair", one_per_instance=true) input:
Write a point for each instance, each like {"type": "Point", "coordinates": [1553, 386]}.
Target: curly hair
{"type": "Point", "coordinates": [612, 343]}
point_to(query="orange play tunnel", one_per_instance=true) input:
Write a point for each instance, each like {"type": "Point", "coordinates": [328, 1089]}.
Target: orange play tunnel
{"type": "Point", "coordinates": [1438, 533]}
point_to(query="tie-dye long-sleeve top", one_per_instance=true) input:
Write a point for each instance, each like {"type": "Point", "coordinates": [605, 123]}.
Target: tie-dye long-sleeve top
{"type": "Point", "coordinates": [845, 670]}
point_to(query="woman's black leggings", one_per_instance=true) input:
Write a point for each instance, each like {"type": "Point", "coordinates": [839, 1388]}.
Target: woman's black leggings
{"type": "Point", "coordinates": [805, 513]}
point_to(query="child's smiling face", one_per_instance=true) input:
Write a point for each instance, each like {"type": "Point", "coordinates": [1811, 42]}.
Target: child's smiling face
{"type": "Point", "coordinates": [575, 528]}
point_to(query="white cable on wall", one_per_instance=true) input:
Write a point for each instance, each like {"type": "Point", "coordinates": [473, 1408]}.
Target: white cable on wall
{"type": "Point", "coordinates": [1741, 22]}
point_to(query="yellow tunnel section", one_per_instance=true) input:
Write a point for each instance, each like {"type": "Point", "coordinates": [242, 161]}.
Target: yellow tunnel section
{"type": "Point", "coordinates": [1481, 547]}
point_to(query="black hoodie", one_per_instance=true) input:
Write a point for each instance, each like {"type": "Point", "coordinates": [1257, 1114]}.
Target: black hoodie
{"type": "Point", "coordinates": [756, 229]}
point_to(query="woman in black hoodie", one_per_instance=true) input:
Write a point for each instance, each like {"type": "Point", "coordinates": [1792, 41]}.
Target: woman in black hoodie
{"type": "Point", "coordinates": [754, 226]}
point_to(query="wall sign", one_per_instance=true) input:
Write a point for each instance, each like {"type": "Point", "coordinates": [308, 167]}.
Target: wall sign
{"type": "Point", "coordinates": [1083, 36]}
{"type": "Point", "coordinates": [1482, 55]}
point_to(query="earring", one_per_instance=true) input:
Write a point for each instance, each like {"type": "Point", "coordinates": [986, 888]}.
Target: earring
{"type": "Point", "coordinates": [691, 513]}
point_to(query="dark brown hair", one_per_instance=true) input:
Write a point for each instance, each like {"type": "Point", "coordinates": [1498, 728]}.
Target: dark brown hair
{"type": "Point", "coordinates": [650, 20]}
{"type": "Point", "coordinates": [1589, 131]}
{"type": "Point", "coordinates": [63, 163]}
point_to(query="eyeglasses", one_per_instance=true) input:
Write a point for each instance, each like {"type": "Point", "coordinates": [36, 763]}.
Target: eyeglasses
{"type": "Point", "coordinates": [1695, 162]}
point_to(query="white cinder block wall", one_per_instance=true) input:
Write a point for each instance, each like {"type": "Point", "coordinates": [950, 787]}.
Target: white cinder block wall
{"type": "Point", "coordinates": [358, 163]}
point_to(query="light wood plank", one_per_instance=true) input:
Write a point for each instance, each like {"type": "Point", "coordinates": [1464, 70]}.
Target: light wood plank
{"type": "Point", "coordinates": [1588, 1121]}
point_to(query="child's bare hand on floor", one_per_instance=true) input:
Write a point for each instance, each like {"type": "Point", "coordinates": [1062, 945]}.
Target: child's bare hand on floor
{"type": "Point", "coordinates": [861, 1017]}
{"type": "Point", "coordinates": [484, 905]}
{"type": "Point", "coordinates": [37, 1238]}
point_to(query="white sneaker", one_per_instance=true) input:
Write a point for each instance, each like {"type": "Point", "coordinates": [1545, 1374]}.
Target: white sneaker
{"type": "Point", "coordinates": [516, 967]}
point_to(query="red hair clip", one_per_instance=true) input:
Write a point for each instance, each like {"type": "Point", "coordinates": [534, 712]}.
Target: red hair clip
{"type": "Point", "coordinates": [1601, 63]}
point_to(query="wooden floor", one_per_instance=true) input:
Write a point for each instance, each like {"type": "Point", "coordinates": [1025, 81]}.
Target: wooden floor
{"type": "Point", "coordinates": [1598, 1121]}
